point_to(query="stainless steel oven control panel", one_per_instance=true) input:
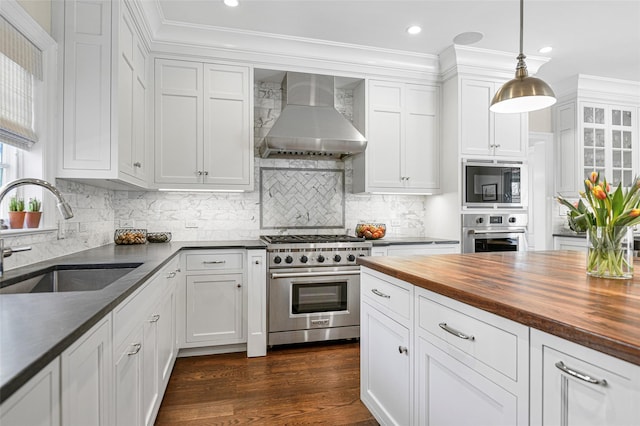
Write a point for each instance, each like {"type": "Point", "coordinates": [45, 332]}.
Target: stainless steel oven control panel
{"type": "Point", "coordinates": [317, 257]}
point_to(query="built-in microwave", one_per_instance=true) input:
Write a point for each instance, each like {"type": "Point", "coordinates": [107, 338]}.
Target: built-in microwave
{"type": "Point", "coordinates": [494, 184]}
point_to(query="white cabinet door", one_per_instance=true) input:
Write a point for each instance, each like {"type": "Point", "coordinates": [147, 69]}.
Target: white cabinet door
{"type": "Point", "coordinates": [484, 133]}
{"type": "Point", "coordinates": [568, 385]}
{"type": "Point", "coordinates": [422, 143]}
{"type": "Point", "coordinates": [87, 378]}
{"type": "Point", "coordinates": [475, 117]}
{"type": "Point", "coordinates": [166, 336]}
{"type": "Point", "coordinates": [128, 380]}
{"type": "Point", "coordinates": [36, 403]}
{"type": "Point", "coordinates": [450, 393]}
{"type": "Point", "coordinates": [150, 375]}
{"type": "Point", "coordinates": [178, 121]}
{"type": "Point", "coordinates": [384, 147]}
{"type": "Point", "coordinates": [386, 366]}
{"type": "Point", "coordinates": [87, 85]}
{"type": "Point", "coordinates": [570, 243]}
{"type": "Point", "coordinates": [568, 179]}
{"type": "Point", "coordinates": [215, 308]}
{"type": "Point", "coordinates": [257, 303]}
{"type": "Point", "coordinates": [228, 149]}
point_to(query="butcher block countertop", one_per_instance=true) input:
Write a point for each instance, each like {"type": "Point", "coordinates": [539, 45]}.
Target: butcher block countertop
{"type": "Point", "coordinates": [549, 291]}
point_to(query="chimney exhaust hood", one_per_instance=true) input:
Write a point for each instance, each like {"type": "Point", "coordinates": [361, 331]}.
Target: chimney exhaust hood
{"type": "Point", "coordinates": [309, 124]}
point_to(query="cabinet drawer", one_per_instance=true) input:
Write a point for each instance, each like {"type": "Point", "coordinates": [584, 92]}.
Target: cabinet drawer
{"type": "Point", "coordinates": [394, 297]}
{"type": "Point", "coordinates": [132, 311]}
{"type": "Point", "coordinates": [489, 343]}
{"type": "Point", "coordinates": [214, 261]}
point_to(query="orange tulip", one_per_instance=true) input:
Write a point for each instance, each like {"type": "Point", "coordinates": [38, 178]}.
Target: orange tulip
{"type": "Point", "coordinates": [588, 183]}
{"type": "Point", "coordinates": [634, 212]}
{"type": "Point", "coordinates": [594, 177]}
{"type": "Point", "coordinates": [608, 188]}
{"type": "Point", "coordinates": [598, 192]}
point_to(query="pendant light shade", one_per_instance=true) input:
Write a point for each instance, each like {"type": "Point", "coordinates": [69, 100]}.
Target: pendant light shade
{"type": "Point", "coordinates": [522, 93]}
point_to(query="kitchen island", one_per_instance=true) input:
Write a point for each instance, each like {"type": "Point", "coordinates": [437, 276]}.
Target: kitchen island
{"type": "Point", "coordinates": [529, 331]}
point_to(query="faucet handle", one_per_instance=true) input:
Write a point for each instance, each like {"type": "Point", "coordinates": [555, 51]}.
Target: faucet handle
{"type": "Point", "coordinates": [9, 251]}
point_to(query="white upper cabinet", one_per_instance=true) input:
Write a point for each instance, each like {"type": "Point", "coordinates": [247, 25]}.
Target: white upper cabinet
{"type": "Point", "coordinates": [484, 133]}
{"type": "Point", "coordinates": [596, 130]}
{"type": "Point", "coordinates": [403, 150]}
{"type": "Point", "coordinates": [104, 92]}
{"type": "Point", "coordinates": [203, 128]}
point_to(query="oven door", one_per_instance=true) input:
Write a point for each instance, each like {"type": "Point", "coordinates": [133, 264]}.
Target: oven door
{"type": "Point", "coordinates": [481, 241]}
{"type": "Point", "coordinates": [309, 299]}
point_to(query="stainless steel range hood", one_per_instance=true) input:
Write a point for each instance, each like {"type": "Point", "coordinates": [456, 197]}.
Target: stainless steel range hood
{"type": "Point", "coordinates": [309, 125]}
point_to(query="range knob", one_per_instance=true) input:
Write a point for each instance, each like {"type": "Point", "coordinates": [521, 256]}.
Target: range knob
{"type": "Point", "coordinates": [351, 258]}
{"type": "Point", "coordinates": [337, 258]}
{"type": "Point", "coordinates": [304, 259]}
{"type": "Point", "coordinates": [288, 259]}
{"type": "Point", "coordinates": [479, 220]}
{"type": "Point", "coordinates": [277, 259]}
{"type": "Point", "coordinates": [321, 258]}
{"type": "Point", "coordinates": [512, 220]}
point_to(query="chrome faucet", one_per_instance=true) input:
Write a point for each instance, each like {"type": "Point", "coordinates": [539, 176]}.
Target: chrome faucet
{"type": "Point", "coordinates": [63, 206]}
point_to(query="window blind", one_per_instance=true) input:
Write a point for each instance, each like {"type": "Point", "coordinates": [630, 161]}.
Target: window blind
{"type": "Point", "coordinates": [20, 65]}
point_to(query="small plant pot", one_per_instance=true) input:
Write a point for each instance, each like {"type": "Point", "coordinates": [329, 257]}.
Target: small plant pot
{"type": "Point", "coordinates": [16, 220]}
{"type": "Point", "coordinates": [32, 219]}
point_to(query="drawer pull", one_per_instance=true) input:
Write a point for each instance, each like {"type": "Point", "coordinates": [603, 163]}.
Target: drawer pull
{"type": "Point", "coordinates": [445, 327]}
{"type": "Point", "coordinates": [403, 350]}
{"type": "Point", "coordinates": [214, 262]}
{"type": "Point", "coordinates": [379, 293]}
{"type": "Point", "coordinates": [136, 349]}
{"type": "Point", "coordinates": [579, 375]}
{"type": "Point", "coordinates": [171, 275]}
{"type": "Point", "coordinates": [155, 318]}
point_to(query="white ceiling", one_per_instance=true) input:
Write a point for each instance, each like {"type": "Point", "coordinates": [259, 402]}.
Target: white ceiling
{"type": "Point", "coordinates": [593, 37]}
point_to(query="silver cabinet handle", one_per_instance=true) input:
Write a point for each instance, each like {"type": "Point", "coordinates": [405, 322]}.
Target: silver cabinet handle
{"type": "Point", "coordinates": [403, 350]}
{"type": "Point", "coordinates": [379, 293]}
{"type": "Point", "coordinates": [137, 164]}
{"type": "Point", "coordinates": [136, 349]}
{"type": "Point", "coordinates": [213, 262]}
{"type": "Point", "coordinates": [155, 318]}
{"type": "Point", "coordinates": [171, 275]}
{"type": "Point", "coordinates": [445, 327]}
{"type": "Point", "coordinates": [579, 375]}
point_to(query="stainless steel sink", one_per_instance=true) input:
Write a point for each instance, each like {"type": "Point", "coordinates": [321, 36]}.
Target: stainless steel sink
{"type": "Point", "coordinates": [69, 278]}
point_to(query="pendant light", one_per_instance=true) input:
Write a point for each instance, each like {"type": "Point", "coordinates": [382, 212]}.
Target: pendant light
{"type": "Point", "coordinates": [523, 93]}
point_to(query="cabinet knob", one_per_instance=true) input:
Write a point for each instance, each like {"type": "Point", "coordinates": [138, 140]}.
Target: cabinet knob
{"type": "Point", "coordinates": [239, 285]}
{"type": "Point", "coordinates": [257, 262]}
{"type": "Point", "coordinates": [154, 318]}
{"type": "Point", "coordinates": [206, 173]}
{"type": "Point", "coordinates": [137, 164]}
{"type": "Point", "coordinates": [199, 172]}
{"type": "Point", "coordinates": [403, 350]}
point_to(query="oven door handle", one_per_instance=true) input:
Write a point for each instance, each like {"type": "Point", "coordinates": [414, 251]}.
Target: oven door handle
{"type": "Point", "coordinates": [511, 231]}
{"type": "Point", "coordinates": [276, 275]}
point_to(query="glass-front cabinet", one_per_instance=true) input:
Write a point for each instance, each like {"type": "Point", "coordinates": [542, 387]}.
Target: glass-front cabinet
{"type": "Point", "coordinates": [607, 142]}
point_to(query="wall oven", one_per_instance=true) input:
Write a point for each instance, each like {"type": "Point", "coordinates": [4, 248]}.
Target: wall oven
{"type": "Point", "coordinates": [493, 184]}
{"type": "Point", "coordinates": [494, 232]}
{"type": "Point", "coordinates": [313, 288]}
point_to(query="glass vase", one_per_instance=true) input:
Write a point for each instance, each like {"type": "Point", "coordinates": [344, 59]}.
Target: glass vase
{"type": "Point", "coordinates": [610, 252]}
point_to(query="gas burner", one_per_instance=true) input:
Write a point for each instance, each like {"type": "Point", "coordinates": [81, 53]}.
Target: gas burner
{"type": "Point", "coordinates": [292, 239]}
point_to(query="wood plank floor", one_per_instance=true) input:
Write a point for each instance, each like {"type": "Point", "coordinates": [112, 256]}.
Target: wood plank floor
{"type": "Point", "coordinates": [292, 385]}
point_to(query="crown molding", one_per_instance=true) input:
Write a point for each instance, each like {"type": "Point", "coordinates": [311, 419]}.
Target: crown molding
{"type": "Point", "coordinates": [600, 89]}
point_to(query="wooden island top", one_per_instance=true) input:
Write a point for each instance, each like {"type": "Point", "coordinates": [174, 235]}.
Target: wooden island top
{"type": "Point", "coordinates": [549, 291]}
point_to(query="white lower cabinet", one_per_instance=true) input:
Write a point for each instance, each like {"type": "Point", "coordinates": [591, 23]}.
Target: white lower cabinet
{"type": "Point", "coordinates": [414, 249]}
{"type": "Point", "coordinates": [468, 358]}
{"type": "Point", "coordinates": [36, 403]}
{"type": "Point", "coordinates": [86, 378]}
{"type": "Point", "coordinates": [569, 243]}
{"type": "Point", "coordinates": [215, 298]}
{"type": "Point", "coordinates": [386, 349]}
{"type": "Point", "coordinates": [575, 385]}
{"type": "Point", "coordinates": [145, 356]}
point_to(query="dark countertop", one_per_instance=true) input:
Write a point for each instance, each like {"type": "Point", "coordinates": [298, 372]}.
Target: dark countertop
{"type": "Point", "coordinates": [546, 290]}
{"type": "Point", "coordinates": [36, 328]}
{"type": "Point", "coordinates": [411, 240]}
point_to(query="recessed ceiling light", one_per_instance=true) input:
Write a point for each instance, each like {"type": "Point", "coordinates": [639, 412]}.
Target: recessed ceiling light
{"type": "Point", "coordinates": [545, 49]}
{"type": "Point", "coordinates": [414, 29]}
{"type": "Point", "coordinates": [231, 3]}
{"type": "Point", "coordinates": [468, 38]}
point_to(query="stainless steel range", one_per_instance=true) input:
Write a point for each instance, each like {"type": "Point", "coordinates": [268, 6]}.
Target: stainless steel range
{"type": "Point", "coordinates": [313, 287]}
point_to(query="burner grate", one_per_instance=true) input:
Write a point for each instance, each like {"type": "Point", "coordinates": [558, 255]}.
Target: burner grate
{"type": "Point", "coordinates": [289, 239]}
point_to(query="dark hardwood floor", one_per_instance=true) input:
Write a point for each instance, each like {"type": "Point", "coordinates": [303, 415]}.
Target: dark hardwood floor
{"type": "Point", "coordinates": [292, 385]}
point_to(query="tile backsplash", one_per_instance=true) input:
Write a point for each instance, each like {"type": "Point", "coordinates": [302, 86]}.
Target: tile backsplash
{"type": "Point", "coordinates": [201, 216]}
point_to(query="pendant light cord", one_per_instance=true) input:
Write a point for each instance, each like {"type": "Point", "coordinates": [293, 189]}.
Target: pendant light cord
{"type": "Point", "coordinates": [521, 68]}
{"type": "Point", "coordinates": [521, 27]}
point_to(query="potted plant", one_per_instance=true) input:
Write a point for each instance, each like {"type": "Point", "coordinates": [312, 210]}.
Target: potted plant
{"type": "Point", "coordinates": [33, 215]}
{"type": "Point", "coordinates": [16, 213]}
